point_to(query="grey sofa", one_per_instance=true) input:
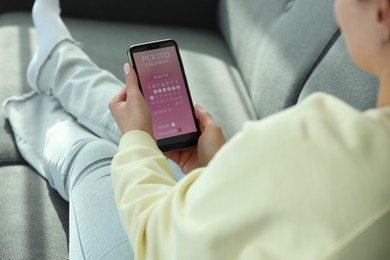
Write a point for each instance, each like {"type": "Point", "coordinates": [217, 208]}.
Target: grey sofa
{"type": "Point", "coordinates": [245, 60]}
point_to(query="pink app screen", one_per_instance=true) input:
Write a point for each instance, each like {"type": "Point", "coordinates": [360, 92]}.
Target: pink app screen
{"type": "Point", "coordinates": [165, 92]}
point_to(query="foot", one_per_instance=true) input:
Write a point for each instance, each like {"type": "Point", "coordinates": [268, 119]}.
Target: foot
{"type": "Point", "coordinates": [51, 30]}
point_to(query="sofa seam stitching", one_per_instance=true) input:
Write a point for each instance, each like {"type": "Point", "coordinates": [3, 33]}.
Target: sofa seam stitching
{"type": "Point", "coordinates": [321, 56]}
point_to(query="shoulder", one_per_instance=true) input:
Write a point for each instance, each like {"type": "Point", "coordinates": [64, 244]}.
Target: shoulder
{"type": "Point", "coordinates": [320, 115]}
{"type": "Point", "coordinates": [320, 127]}
{"type": "Point", "coordinates": [315, 116]}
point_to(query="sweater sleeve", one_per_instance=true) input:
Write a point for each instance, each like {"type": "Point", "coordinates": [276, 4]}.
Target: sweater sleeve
{"type": "Point", "coordinates": [146, 194]}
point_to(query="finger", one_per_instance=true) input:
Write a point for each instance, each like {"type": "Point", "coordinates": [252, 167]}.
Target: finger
{"type": "Point", "coordinates": [119, 98]}
{"type": "Point", "coordinates": [122, 95]}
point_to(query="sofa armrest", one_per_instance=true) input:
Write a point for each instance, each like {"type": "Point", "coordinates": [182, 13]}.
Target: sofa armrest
{"type": "Point", "coordinates": [172, 12]}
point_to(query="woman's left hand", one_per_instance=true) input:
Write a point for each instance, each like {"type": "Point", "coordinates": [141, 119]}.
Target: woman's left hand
{"type": "Point", "coordinates": [209, 142]}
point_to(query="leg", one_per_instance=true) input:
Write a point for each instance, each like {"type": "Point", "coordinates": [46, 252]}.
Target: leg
{"type": "Point", "coordinates": [83, 89]}
{"type": "Point", "coordinates": [60, 68]}
{"type": "Point", "coordinates": [96, 227]}
{"type": "Point", "coordinates": [77, 164]}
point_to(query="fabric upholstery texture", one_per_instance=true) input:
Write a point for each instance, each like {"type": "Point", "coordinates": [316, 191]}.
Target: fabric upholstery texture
{"type": "Point", "coordinates": [276, 45]}
{"type": "Point", "coordinates": [337, 75]}
{"type": "Point", "coordinates": [33, 219]}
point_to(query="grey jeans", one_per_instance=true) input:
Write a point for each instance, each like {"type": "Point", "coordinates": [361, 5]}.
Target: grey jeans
{"type": "Point", "coordinates": [70, 137]}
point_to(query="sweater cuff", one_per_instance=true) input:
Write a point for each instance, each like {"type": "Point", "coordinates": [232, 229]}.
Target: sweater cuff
{"type": "Point", "coordinates": [137, 138]}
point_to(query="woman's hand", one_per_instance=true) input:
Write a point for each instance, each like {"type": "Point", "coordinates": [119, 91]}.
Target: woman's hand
{"type": "Point", "coordinates": [129, 108]}
{"type": "Point", "coordinates": [209, 143]}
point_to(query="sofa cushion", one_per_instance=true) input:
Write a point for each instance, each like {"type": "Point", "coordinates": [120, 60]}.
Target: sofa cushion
{"type": "Point", "coordinates": [337, 74]}
{"type": "Point", "coordinates": [9, 154]}
{"type": "Point", "coordinates": [275, 45]}
{"type": "Point", "coordinates": [33, 219]}
{"type": "Point", "coordinates": [15, 42]}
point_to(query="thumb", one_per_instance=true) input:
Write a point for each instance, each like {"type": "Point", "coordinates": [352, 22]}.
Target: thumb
{"type": "Point", "coordinates": [130, 78]}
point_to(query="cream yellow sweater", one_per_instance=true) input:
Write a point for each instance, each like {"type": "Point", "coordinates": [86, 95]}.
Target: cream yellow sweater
{"type": "Point", "coordinates": [312, 182]}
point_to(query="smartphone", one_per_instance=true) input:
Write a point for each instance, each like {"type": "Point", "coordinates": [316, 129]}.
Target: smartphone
{"type": "Point", "coordinates": [164, 85]}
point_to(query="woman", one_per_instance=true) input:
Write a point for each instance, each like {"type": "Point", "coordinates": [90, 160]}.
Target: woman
{"type": "Point", "coordinates": [309, 183]}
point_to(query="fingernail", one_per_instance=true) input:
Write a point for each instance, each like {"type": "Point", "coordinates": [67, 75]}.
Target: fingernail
{"type": "Point", "coordinates": [199, 106]}
{"type": "Point", "coordinates": [127, 69]}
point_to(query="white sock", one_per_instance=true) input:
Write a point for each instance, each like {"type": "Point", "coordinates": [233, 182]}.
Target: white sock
{"type": "Point", "coordinates": [51, 30]}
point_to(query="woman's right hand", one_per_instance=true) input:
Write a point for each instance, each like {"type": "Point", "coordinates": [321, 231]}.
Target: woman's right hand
{"type": "Point", "coordinates": [129, 108]}
{"type": "Point", "coordinates": [210, 141]}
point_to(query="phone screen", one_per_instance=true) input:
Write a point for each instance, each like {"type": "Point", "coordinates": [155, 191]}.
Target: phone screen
{"type": "Point", "coordinates": [164, 86]}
